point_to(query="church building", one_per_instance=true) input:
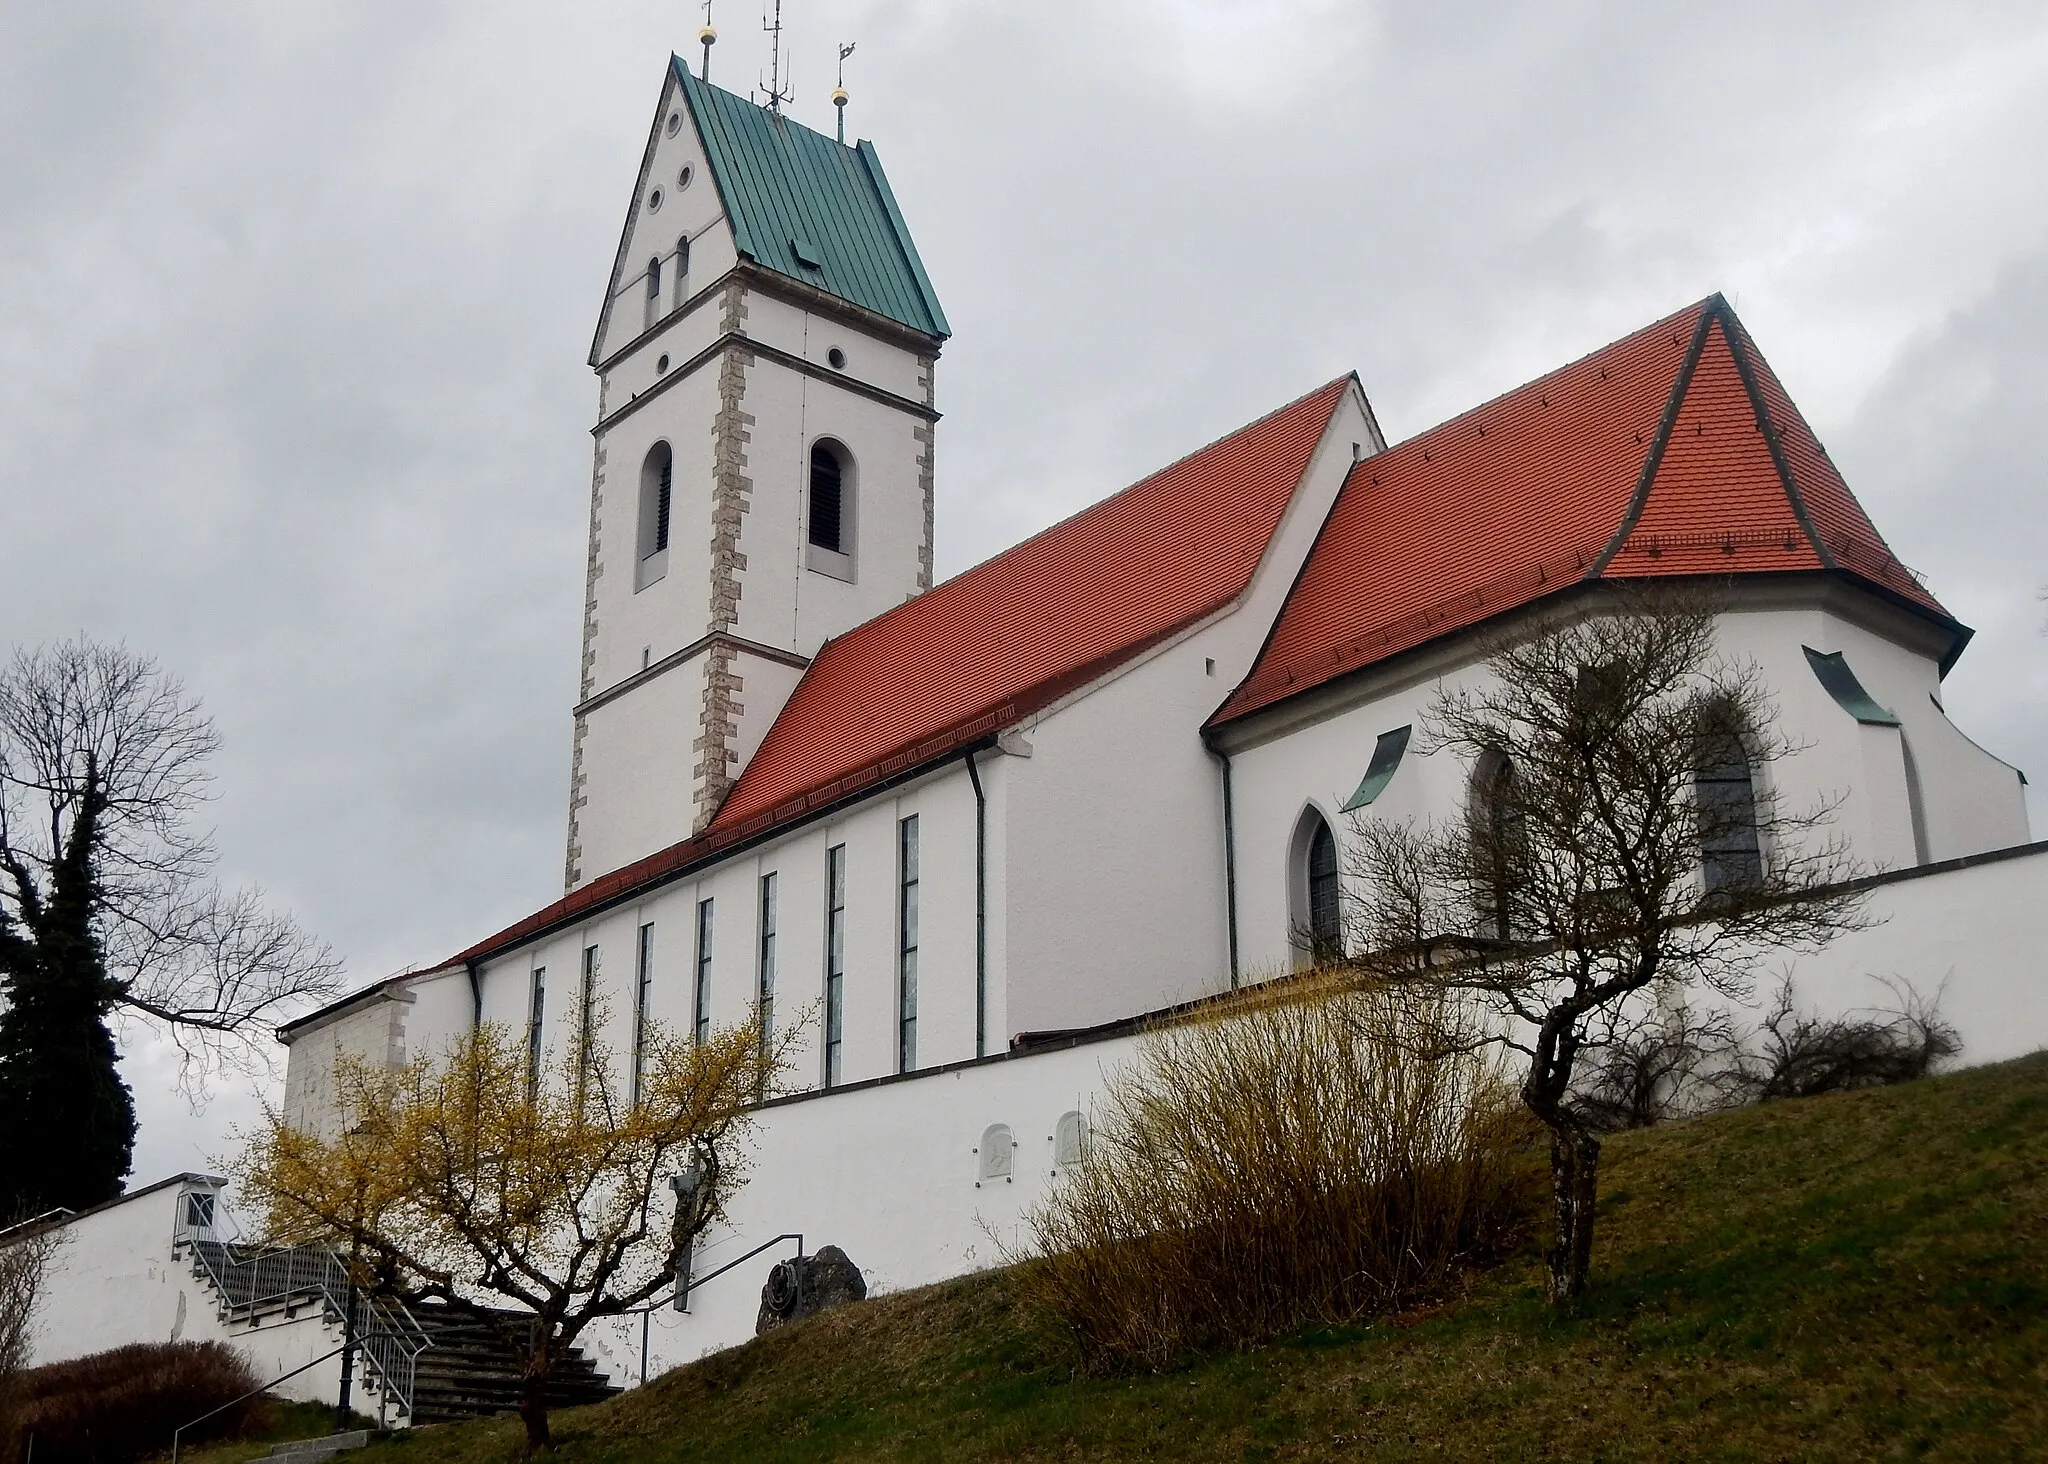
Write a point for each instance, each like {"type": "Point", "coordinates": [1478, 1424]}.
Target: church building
{"type": "Point", "coordinates": [970, 831]}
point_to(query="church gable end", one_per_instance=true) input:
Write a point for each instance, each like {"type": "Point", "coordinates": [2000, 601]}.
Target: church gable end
{"type": "Point", "coordinates": [1673, 451]}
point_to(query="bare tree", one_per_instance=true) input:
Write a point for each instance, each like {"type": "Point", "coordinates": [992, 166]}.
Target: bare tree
{"type": "Point", "coordinates": [1619, 850]}
{"type": "Point", "coordinates": [99, 746]}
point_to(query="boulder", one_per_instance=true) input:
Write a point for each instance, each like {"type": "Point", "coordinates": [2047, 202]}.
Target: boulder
{"type": "Point", "coordinates": [800, 1288]}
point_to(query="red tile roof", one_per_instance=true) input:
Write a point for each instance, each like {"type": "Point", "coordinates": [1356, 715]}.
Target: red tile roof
{"type": "Point", "coordinates": [1674, 451]}
{"type": "Point", "coordinates": [1006, 638]}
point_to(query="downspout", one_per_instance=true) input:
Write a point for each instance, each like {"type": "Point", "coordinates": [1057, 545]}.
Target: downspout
{"type": "Point", "coordinates": [476, 993]}
{"type": "Point", "coordinates": [1229, 862]}
{"type": "Point", "coordinates": [980, 908]}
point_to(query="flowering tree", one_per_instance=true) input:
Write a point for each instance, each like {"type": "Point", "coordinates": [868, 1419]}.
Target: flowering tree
{"type": "Point", "coordinates": [467, 1175]}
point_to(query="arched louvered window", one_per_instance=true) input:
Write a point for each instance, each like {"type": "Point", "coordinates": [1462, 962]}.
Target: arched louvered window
{"type": "Point", "coordinates": [1730, 856]}
{"type": "Point", "coordinates": [653, 290]}
{"type": "Point", "coordinates": [828, 498]}
{"type": "Point", "coordinates": [657, 493]}
{"type": "Point", "coordinates": [682, 270]}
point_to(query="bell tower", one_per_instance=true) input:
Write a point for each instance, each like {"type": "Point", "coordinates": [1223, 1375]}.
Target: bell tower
{"type": "Point", "coordinates": [763, 469]}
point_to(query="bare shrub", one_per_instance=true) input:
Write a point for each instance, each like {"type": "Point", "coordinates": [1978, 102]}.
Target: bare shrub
{"type": "Point", "coordinates": [1295, 1158]}
{"type": "Point", "coordinates": [1801, 1053]}
{"type": "Point", "coordinates": [122, 1405]}
{"type": "Point", "coordinates": [25, 1256]}
{"type": "Point", "coordinates": [1671, 1064]}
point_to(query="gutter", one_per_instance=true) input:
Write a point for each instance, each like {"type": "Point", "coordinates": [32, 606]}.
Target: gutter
{"type": "Point", "coordinates": [1229, 861]}
{"type": "Point", "coordinates": [980, 908]}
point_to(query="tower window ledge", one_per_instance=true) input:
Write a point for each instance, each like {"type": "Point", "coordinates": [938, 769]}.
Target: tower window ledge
{"type": "Point", "coordinates": [650, 569]}
{"type": "Point", "coordinates": [825, 562]}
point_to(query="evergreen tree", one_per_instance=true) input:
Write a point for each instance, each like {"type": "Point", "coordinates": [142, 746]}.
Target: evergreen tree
{"type": "Point", "coordinates": [67, 1121]}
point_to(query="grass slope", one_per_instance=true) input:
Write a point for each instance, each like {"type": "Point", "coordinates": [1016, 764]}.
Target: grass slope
{"type": "Point", "coordinates": [1853, 1277]}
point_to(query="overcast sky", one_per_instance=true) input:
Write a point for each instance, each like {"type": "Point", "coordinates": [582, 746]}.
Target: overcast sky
{"type": "Point", "coordinates": [295, 301]}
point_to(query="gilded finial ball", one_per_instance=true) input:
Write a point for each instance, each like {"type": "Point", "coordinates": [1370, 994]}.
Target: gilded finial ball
{"type": "Point", "coordinates": [708, 35]}
{"type": "Point", "coordinates": [838, 96]}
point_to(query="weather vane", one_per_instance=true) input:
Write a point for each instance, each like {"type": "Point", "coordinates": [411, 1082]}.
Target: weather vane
{"type": "Point", "coordinates": [777, 95]}
{"type": "Point", "coordinates": [839, 91]}
{"type": "Point", "coordinates": [709, 36]}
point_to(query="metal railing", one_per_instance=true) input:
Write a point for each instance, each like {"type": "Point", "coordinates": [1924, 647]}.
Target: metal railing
{"type": "Point", "coordinates": [387, 1336]}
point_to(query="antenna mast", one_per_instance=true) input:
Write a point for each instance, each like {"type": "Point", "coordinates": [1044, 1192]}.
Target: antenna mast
{"type": "Point", "coordinates": [709, 36]}
{"type": "Point", "coordinates": [777, 95]}
{"type": "Point", "coordinates": [839, 91]}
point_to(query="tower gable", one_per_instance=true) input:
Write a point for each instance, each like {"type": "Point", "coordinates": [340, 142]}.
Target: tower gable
{"type": "Point", "coordinates": [675, 198]}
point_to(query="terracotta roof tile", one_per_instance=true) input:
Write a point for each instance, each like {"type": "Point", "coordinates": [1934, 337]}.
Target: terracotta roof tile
{"type": "Point", "coordinates": [1019, 630]}
{"type": "Point", "coordinates": [1656, 441]}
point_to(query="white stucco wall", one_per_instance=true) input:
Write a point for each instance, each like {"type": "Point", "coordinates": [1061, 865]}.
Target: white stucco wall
{"type": "Point", "coordinates": [652, 233]}
{"type": "Point", "coordinates": [119, 1277]}
{"type": "Point", "coordinates": [1113, 835]}
{"type": "Point", "coordinates": [888, 1173]}
{"type": "Point", "coordinates": [374, 1032]}
{"type": "Point", "coordinates": [1313, 754]}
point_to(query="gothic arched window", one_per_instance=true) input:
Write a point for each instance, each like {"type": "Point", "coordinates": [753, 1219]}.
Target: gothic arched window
{"type": "Point", "coordinates": [1325, 919]}
{"type": "Point", "coordinates": [1730, 856]}
{"type": "Point", "coordinates": [682, 269]}
{"type": "Point", "coordinates": [828, 497]}
{"type": "Point", "coordinates": [653, 290]}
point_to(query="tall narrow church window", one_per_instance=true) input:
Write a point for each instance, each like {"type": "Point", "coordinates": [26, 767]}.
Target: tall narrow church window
{"type": "Point", "coordinates": [1498, 831]}
{"type": "Point", "coordinates": [653, 290]}
{"type": "Point", "coordinates": [906, 948]}
{"type": "Point", "coordinates": [535, 1005]}
{"type": "Point", "coordinates": [835, 959]}
{"type": "Point", "coordinates": [1325, 921]}
{"type": "Point", "coordinates": [765, 963]}
{"type": "Point", "coordinates": [586, 1021]}
{"type": "Point", "coordinates": [700, 999]}
{"type": "Point", "coordinates": [1730, 858]}
{"type": "Point", "coordinates": [657, 503]}
{"type": "Point", "coordinates": [643, 992]}
{"type": "Point", "coordinates": [682, 270]}
{"type": "Point", "coordinates": [828, 498]}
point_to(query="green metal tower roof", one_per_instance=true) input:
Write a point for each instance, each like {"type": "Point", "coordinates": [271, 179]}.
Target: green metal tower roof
{"type": "Point", "coordinates": [811, 208]}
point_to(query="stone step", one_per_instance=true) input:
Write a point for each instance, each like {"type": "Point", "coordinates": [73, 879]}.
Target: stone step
{"type": "Point", "coordinates": [298, 1451]}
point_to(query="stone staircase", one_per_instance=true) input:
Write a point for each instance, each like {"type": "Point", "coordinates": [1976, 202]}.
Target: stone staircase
{"type": "Point", "coordinates": [447, 1364]}
{"type": "Point", "coordinates": [471, 1370]}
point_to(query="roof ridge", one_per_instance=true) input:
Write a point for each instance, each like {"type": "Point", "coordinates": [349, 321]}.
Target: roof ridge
{"type": "Point", "coordinates": [1109, 498]}
{"type": "Point", "coordinates": [1740, 347]}
{"type": "Point", "coordinates": [1500, 396]}
{"type": "Point", "coordinates": [1653, 459]}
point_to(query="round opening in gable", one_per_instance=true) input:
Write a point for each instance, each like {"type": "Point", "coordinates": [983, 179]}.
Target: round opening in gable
{"type": "Point", "coordinates": [836, 358]}
{"type": "Point", "coordinates": [654, 201]}
{"type": "Point", "coordinates": [675, 123]}
{"type": "Point", "coordinates": [662, 364]}
{"type": "Point", "coordinates": [683, 178]}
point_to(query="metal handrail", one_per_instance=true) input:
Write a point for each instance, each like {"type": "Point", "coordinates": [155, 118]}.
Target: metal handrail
{"type": "Point", "coordinates": [388, 1337]}
{"type": "Point", "coordinates": [178, 1434]}
{"type": "Point", "coordinates": [679, 1296]}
